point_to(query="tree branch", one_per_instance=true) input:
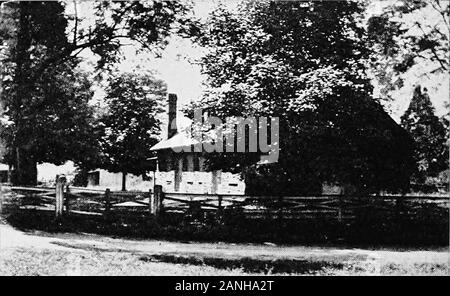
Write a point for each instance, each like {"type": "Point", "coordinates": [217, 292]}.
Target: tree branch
{"type": "Point", "coordinates": [441, 12]}
{"type": "Point", "coordinates": [76, 23]}
{"type": "Point", "coordinates": [433, 50]}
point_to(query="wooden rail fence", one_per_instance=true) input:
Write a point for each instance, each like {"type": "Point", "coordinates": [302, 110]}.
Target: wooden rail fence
{"type": "Point", "coordinates": [65, 200]}
{"type": "Point", "coordinates": [327, 207]}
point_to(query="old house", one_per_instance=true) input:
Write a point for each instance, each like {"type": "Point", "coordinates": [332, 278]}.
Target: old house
{"type": "Point", "coordinates": [187, 172]}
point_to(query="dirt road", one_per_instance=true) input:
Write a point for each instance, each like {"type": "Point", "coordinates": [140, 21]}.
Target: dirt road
{"type": "Point", "coordinates": [44, 253]}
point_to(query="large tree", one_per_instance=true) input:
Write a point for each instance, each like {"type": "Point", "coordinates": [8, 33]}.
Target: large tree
{"type": "Point", "coordinates": [41, 45]}
{"type": "Point", "coordinates": [304, 63]}
{"type": "Point", "coordinates": [46, 118]}
{"type": "Point", "coordinates": [429, 134]}
{"type": "Point", "coordinates": [129, 125]}
{"type": "Point", "coordinates": [111, 24]}
{"type": "Point", "coordinates": [410, 41]}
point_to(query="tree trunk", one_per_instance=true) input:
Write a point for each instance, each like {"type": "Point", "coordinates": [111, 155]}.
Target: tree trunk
{"type": "Point", "coordinates": [25, 171]}
{"type": "Point", "coordinates": [124, 181]}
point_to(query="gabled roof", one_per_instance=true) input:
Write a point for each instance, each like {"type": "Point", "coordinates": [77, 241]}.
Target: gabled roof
{"type": "Point", "coordinates": [181, 139]}
{"type": "Point", "coordinates": [185, 139]}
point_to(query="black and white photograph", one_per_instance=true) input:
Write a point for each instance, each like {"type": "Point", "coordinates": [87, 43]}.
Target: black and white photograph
{"type": "Point", "coordinates": [226, 140]}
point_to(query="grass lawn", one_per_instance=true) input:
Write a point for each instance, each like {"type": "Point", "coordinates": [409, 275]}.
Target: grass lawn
{"type": "Point", "coordinates": [23, 261]}
{"type": "Point", "coordinates": [55, 262]}
{"type": "Point", "coordinates": [38, 253]}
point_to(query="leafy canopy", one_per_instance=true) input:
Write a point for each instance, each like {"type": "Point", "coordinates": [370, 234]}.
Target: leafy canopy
{"type": "Point", "coordinates": [46, 118]}
{"type": "Point", "coordinates": [304, 63]}
{"type": "Point", "coordinates": [429, 134]}
{"type": "Point", "coordinates": [410, 41]}
{"type": "Point", "coordinates": [130, 126]}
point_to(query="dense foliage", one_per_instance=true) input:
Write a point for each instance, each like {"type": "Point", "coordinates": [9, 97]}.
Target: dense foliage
{"type": "Point", "coordinates": [129, 126]}
{"type": "Point", "coordinates": [46, 117]}
{"type": "Point", "coordinates": [303, 63]}
{"type": "Point", "coordinates": [429, 134]}
{"type": "Point", "coordinates": [410, 40]}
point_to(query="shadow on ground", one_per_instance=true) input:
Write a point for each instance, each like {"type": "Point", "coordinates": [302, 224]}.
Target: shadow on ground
{"type": "Point", "coordinates": [249, 265]}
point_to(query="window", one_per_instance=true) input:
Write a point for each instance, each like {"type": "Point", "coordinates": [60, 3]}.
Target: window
{"type": "Point", "coordinates": [196, 163]}
{"type": "Point", "coordinates": [146, 177]}
{"type": "Point", "coordinates": [94, 178]}
{"type": "Point", "coordinates": [174, 163]}
{"type": "Point", "coordinates": [184, 159]}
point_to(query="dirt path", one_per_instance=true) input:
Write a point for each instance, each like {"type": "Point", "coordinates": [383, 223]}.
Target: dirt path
{"type": "Point", "coordinates": [176, 253]}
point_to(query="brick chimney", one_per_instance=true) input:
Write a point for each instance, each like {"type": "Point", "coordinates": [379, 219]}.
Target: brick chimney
{"type": "Point", "coordinates": [172, 112]}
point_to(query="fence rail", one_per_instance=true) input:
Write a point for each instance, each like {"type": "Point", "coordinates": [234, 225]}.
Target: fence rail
{"type": "Point", "coordinates": [77, 199]}
{"type": "Point", "coordinates": [103, 202]}
{"type": "Point", "coordinates": [308, 207]}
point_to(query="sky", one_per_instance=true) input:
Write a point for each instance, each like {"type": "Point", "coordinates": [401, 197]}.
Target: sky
{"type": "Point", "coordinates": [177, 66]}
{"type": "Point", "coordinates": [183, 76]}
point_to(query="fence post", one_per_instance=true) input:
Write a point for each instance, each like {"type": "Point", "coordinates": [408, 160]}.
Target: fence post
{"type": "Point", "coordinates": [149, 195]}
{"type": "Point", "coordinates": [67, 200]}
{"type": "Point", "coordinates": [107, 202]}
{"type": "Point", "coordinates": [220, 204]}
{"type": "Point", "coordinates": [156, 201]}
{"type": "Point", "coordinates": [219, 208]}
{"type": "Point", "coordinates": [59, 195]}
